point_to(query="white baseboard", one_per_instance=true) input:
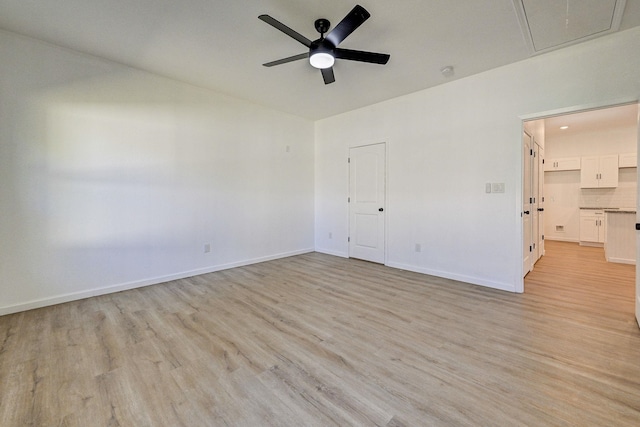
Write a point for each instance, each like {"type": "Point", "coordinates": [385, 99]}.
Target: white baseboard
{"type": "Point", "coordinates": [73, 296]}
{"type": "Point", "coordinates": [334, 253]}
{"type": "Point", "coordinates": [592, 244]}
{"type": "Point", "coordinates": [622, 260]}
{"type": "Point", "coordinates": [510, 287]}
{"type": "Point", "coordinates": [561, 239]}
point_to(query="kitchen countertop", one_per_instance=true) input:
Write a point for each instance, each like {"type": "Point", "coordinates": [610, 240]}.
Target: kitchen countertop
{"type": "Point", "coordinates": [598, 209]}
{"type": "Point", "coordinates": [620, 210]}
{"type": "Point", "coordinates": [611, 210]}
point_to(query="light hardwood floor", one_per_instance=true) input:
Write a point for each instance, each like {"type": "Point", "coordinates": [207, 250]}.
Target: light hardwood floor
{"type": "Point", "coordinates": [318, 340]}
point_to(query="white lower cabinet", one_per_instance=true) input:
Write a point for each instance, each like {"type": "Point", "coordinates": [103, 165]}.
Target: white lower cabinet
{"type": "Point", "coordinates": [592, 227]}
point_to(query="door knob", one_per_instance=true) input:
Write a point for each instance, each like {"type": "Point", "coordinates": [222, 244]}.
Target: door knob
{"type": "Point", "coordinates": [540, 209]}
{"type": "Point", "coordinates": [526, 212]}
{"type": "Point", "coordinates": [380, 210]}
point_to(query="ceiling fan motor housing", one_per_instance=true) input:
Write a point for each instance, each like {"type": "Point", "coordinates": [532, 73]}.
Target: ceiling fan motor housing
{"type": "Point", "coordinates": [322, 53]}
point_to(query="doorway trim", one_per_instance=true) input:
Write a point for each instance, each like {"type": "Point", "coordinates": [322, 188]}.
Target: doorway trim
{"type": "Point", "coordinates": [519, 285]}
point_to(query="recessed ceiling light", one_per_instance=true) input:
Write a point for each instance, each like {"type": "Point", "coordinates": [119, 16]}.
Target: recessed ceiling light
{"type": "Point", "coordinates": [564, 127]}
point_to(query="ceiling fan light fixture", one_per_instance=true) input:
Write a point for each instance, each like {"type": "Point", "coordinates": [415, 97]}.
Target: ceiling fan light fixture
{"type": "Point", "coordinates": [324, 51]}
{"type": "Point", "coordinates": [322, 60]}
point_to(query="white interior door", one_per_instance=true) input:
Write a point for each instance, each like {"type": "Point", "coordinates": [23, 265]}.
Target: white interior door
{"type": "Point", "coordinates": [367, 181]}
{"type": "Point", "coordinates": [540, 236]}
{"type": "Point", "coordinates": [526, 205]}
{"type": "Point", "coordinates": [535, 217]}
{"type": "Point", "coordinates": [638, 233]}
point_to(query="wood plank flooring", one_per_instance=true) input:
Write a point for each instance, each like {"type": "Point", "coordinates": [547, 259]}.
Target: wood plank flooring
{"type": "Point", "coordinates": [315, 340]}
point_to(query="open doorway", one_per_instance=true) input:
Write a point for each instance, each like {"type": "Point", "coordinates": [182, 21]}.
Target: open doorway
{"type": "Point", "coordinates": [589, 166]}
{"type": "Point", "coordinates": [588, 192]}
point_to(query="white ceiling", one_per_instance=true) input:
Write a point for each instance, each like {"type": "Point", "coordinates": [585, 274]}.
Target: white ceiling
{"type": "Point", "coordinates": [221, 44]}
{"type": "Point", "coordinates": [621, 116]}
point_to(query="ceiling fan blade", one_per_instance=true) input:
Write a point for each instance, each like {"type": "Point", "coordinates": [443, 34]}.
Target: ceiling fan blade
{"type": "Point", "coordinates": [285, 60]}
{"type": "Point", "coordinates": [353, 20]}
{"type": "Point", "coordinates": [327, 75]}
{"type": "Point", "coordinates": [362, 56]}
{"type": "Point", "coordinates": [288, 31]}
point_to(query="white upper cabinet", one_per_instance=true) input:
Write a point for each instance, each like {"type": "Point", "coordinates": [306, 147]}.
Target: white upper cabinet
{"type": "Point", "coordinates": [628, 160]}
{"type": "Point", "coordinates": [562, 164]}
{"type": "Point", "coordinates": [599, 171]}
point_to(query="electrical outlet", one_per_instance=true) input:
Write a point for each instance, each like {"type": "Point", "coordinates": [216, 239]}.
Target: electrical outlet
{"type": "Point", "coordinates": [207, 248]}
{"type": "Point", "coordinates": [497, 187]}
{"type": "Point", "coordinates": [330, 235]}
{"type": "Point", "coordinates": [418, 247]}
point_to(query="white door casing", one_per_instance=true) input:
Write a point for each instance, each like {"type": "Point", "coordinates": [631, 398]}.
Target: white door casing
{"type": "Point", "coordinates": [535, 188]}
{"type": "Point", "coordinates": [367, 196]}
{"type": "Point", "coordinates": [526, 205]}
{"type": "Point", "coordinates": [540, 196]}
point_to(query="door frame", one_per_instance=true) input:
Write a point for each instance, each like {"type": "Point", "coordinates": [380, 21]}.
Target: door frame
{"type": "Point", "coordinates": [386, 194]}
{"type": "Point", "coordinates": [519, 283]}
{"type": "Point", "coordinates": [527, 263]}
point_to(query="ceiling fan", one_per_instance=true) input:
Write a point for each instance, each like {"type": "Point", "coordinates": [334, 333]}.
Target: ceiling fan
{"type": "Point", "coordinates": [324, 51]}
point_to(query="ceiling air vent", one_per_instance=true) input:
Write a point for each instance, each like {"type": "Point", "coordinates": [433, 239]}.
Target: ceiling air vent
{"type": "Point", "coordinates": [553, 24]}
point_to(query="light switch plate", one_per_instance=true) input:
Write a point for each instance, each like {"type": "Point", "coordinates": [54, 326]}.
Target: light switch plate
{"type": "Point", "coordinates": [497, 187]}
{"type": "Point", "coordinates": [487, 187]}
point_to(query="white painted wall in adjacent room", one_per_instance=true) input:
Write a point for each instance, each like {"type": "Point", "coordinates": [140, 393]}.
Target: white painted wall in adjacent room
{"type": "Point", "coordinates": [445, 143]}
{"type": "Point", "coordinates": [112, 178]}
{"type": "Point", "coordinates": [563, 195]}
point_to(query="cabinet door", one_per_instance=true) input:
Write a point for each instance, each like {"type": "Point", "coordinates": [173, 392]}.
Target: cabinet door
{"type": "Point", "coordinates": [602, 230]}
{"type": "Point", "coordinates": [600, 224]}
{"type": "Point", "coordinates": [562, 164]}
{"type": "Point", "coordinates": [589, 172]}
{"type": "Point", "coordinates": [568, 164]}
{"type": "Point", "coordinates": [589, 229]}
{"type": "Point", "coordinates": [608, 171]}
{"type": "Point", "coordinates": [628, 160]}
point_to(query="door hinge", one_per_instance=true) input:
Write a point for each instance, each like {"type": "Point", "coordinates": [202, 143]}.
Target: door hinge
{"type": "Point", "coordinates": [543, 161]}
{"type": "Point", "coordinates": [531, 152]}
{"type": "Point", "coordinates": [348, 239]}
{"type": "Point", "coordinates": [530, 249]}
{"type": "Point", "coordinates": [543, 237]}
{"type": "Point", "coordinates": [348, 159]}
{"type": "Point", "coordinates": [348, 199]}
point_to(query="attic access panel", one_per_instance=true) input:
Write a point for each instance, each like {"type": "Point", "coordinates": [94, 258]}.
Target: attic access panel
{"type": "Point", "coordinates": [552, 24]}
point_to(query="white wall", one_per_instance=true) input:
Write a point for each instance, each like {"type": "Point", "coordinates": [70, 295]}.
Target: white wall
{"type": "Point", "coordinates": [112, 178]}
{"type": "Point", "coordinates": [445, 143]}
{"type": "Point", "coordinates": [563, 195]}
